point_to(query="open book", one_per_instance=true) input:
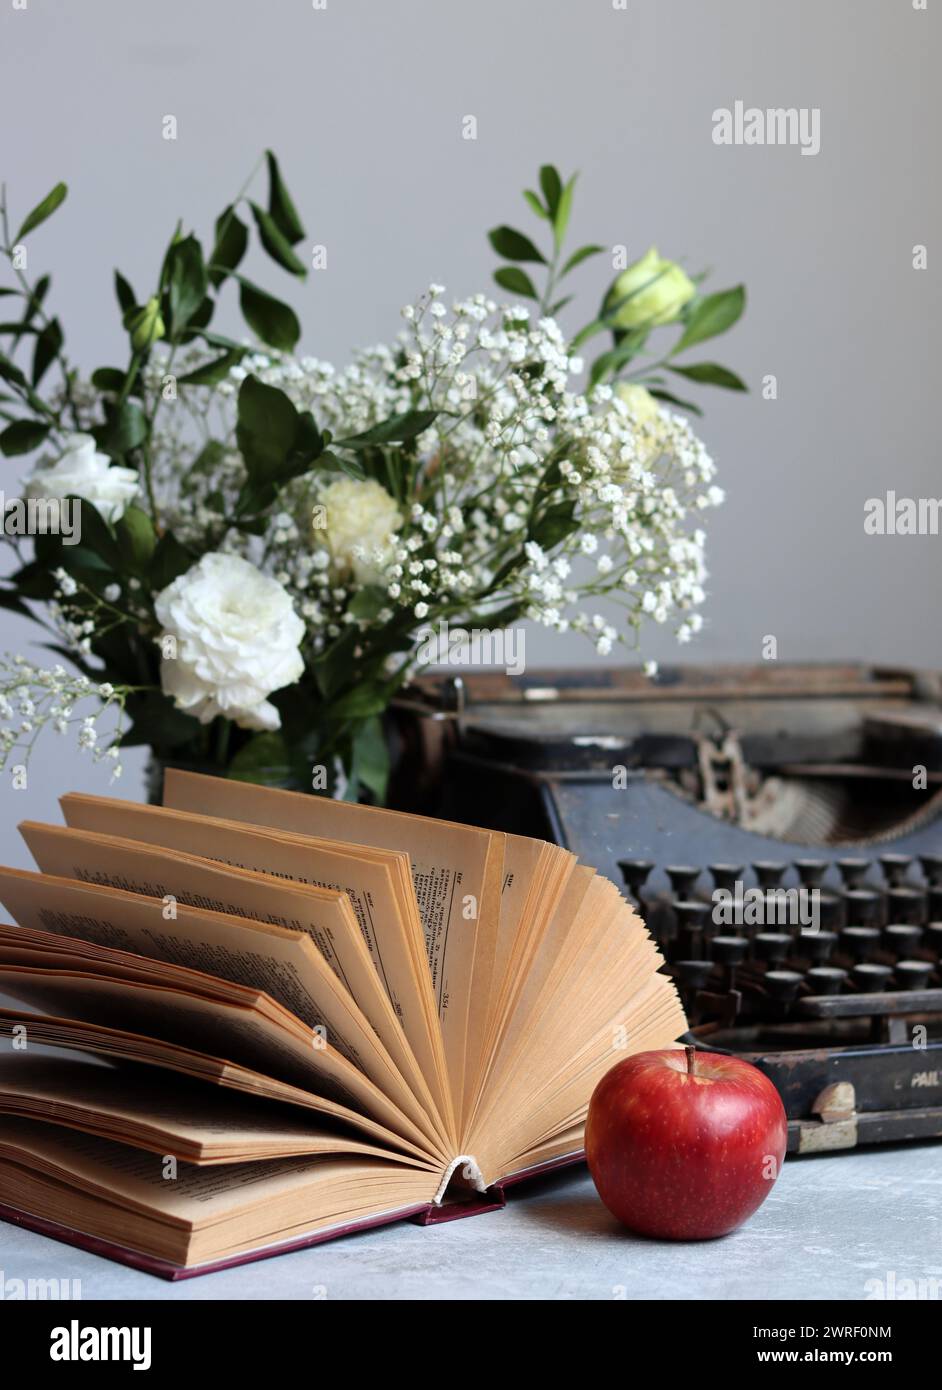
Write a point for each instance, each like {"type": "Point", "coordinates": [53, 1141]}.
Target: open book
{"type": "Point", "coordinates": [251, 1019]}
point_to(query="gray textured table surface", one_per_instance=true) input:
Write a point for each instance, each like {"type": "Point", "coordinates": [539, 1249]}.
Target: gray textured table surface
{"type": "Point", "coordinates": [830, 1227]}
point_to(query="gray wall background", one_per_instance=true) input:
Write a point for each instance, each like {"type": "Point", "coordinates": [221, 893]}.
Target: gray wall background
{"type": "Point", "coordinates": [363, 102]}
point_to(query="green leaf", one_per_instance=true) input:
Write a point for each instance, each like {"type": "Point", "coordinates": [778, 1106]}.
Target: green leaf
{"type": "Point", "coordinates": [668, 396]}
{"type": "Point", "coordinates": [209, 457]}
{"type": "Point", "coordinates": [97, 539]}
{"type": "Point", "coordinates": [157, 722]}
{"type": "Point", "coordinates": [552, 186]}
{"type": "Point", "coordinates": [579, 256]}
{"type": "Point", "coordinates": [398, 429]}
{"type": "Point", "coordinates": [127, 299]}
{"type": "Point", "coordinates": [280, 206]}
{"type": "Point", "coordinates": [554, 524]}
{"type": "Point", "coordinates": [591, 330]}
{"type": "Point", "coordinates": [211, 373]}
{"type": "Point", "coordinates": [126, 427]}
{"type": "Point", "coordinates": [561, 220]}
{"type": "Point", "coordinates": [109, 379]}
{"type": "Point", "coordinates": [535, 203]}
{"type": "Point", "coordinates": [514, 246]}
{"type": "Point", "coordinates": [370, 762]}
{"type": "Point", "coordinates": [267, 317]}
{"type": "Point", "coordinates": [33, 303]}
{"type": "Point", "coordinates": [232, 239]}
{"type": "Point", "coordinates": [43, 210]}
{"type": "Point", "coordinates": [9, 371]}
{"type": "Point", "coordinates": [360, 703]}
{"type": "Point", "coordinates": [47, 348]}
{"type": "Point", "coordinates": [276, 243]}
{"type": "Point", "coordinates": [712, 374]}
{"type": "Point", "coordinates": [264, 759]}
{"type": "Point", "coordinates": [711, 316]}
{"type": "Point", "coordinates": [333, 463]}
{"type": "Point", "coordinates": [612, 361]}
{"type": "Point", "coordinates": [511, 277]}
{"type": "Point", "coordinates": [266, 429]}
{"type": "Point", "coordinates": [11, 600]}
{"type": "Point", "coordinates": [187, 280]}
{"type": "Point", "coordinates": [221, 341]}
{"type": "Point", "coordinates": [22, 437]}
{"type": "Point", "coordinates": [169, 561]}
{"type": "Point", "coordinates": [368, 601]}
{"type": "Point", "coordinates": [137, 539]}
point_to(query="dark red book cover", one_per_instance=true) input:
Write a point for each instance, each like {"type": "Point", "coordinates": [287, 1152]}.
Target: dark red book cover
{"type": "Point", "coordinates": [428, 1214]}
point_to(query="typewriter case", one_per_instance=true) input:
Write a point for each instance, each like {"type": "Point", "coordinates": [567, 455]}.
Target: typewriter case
{"type": "Point", "coordinates": [826, 776]}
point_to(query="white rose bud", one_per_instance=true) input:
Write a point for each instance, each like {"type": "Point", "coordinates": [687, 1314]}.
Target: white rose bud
{"type": "Point", "coordinates": [650, 422]}
{"type": "Point", "coordinates": [650, 292]}
{"type": "Point", "coordinates": [361, 516]}
{"type": "Point", "coordinates": [237, 638]}
{"type": "Point", "coordinates": [82, 472]}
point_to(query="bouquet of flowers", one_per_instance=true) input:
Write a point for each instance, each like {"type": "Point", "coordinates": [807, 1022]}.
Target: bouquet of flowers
{"type": "Point", "coordinates": [240, 551]}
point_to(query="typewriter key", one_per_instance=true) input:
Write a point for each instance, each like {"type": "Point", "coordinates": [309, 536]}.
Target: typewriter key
{"type": "Point", "coordinates": [932, 867]}
{"type": "Point", "coordinates": [726, 876]}
{"type": "Point", "coordinates": [771, 947]}
{"type": "Point", "coordinates": [729, 950]}
{"type": "Point", "coordinates": [811, 871]}
{"type": "Point", "coordinates": [693, 974]}
{"type": "Point", "coordinates": [860, 942]}
{"type": "Point", "coordinates": [853, 871]}
{"type": "Point", "coordinates": [902, 939]}
{"type": "Point", "coordinates": [635, 873]}
{"type": "Point", "coordinates": [935, 902]}
{"type": "Point", "coordinates": [817, 945]}
{"type": "Point", "coordinates": [783, 985]}
{"type": "Point", "coordinates": [831, 915]}
{"type": "Point", "coordinates": [869, 978]}
{"type": "Point", "coordinates": [691, 923]}
{"type": "Point", "coordinates": [912, 974]}
{"type": "Point", "coordinates": [906, 904]}
{"type": "Point", "coordinates": [895, 867]}
{"type": "Point", "coordinates": [769, 873]}
{"type": "Point", "coordinates": [863, 906]}
{"type": "Point", "coordinates": [826, 979]}
{"type": "Point", "coordinates": [682, 877]}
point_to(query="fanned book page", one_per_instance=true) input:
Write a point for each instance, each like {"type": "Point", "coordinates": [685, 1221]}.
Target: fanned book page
{"type": "Point", "coordinates": [277, 1018]}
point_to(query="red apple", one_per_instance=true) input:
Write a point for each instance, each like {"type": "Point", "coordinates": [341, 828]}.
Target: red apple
{"type": "Point", "coordinates": [684, 1145]}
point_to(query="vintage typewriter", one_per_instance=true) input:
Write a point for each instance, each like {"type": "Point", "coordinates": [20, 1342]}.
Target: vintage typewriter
{"type": "Point", "coordinates": [717, 787]}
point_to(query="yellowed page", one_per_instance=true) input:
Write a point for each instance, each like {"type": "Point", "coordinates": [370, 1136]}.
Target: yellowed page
{"type": "Point", "coordinates": [295, 1049]}
{"type": "Point", "coordinates": [598, 998]}
{"type": "Point", "coordinates": [206, 1213]}
{"type": "Point", "coordinates": [317, 913]}
{"type": "Point", "coordinates": [372, 880]}
{"type": "Point", "coordinates": [456, 871]}
{"type": "Point", "coordinates": [22, 1028]}
{"type": "Point", "coordinates": [166, 1115]}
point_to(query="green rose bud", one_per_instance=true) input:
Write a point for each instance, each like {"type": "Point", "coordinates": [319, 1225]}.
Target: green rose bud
{"type": "Point", "coordinates": [659, 289]}
{"type": "Point", "coordinates": [145, 325]}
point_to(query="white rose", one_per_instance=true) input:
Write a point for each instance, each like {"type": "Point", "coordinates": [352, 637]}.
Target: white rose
{"type": "Point", "coordinates": [82, 472]}
{"type": "Point", "coordinates": [237, 637]}
{"type": "Point", "coordinates": [647, 418]}
{"type": "Point", "coordinates": [360, 516]}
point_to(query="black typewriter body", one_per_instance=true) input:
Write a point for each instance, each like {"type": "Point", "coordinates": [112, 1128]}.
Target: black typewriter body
{"type": "Point", "coordinates": [780, 831]}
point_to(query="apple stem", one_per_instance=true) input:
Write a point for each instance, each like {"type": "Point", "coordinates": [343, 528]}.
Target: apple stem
{"type": "Point", "coordinates": [691, 1055]}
